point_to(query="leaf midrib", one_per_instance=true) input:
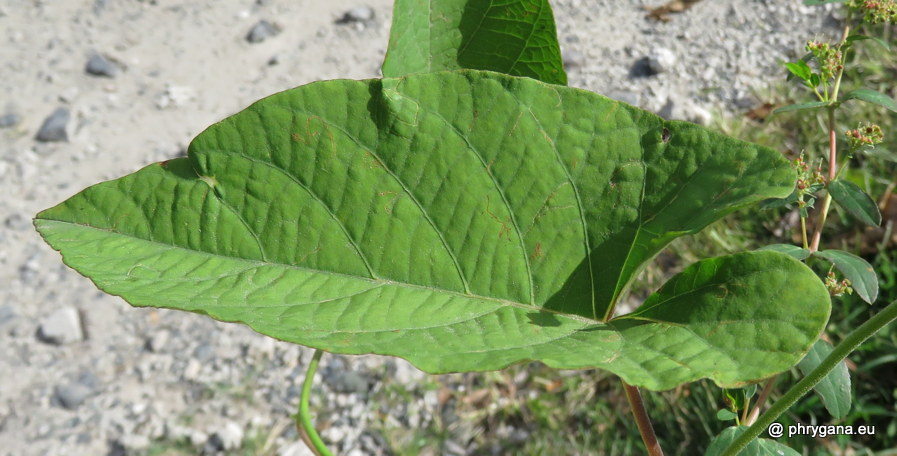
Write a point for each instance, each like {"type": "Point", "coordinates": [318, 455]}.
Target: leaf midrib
{"type": "Point", "coordinates": [382, 282]}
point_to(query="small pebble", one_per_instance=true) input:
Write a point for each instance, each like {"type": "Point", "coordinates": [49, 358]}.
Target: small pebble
{"type": "Point", "coordinates": [176, 96]}
{"type": "Point", "coordinates": [295, 449]}
{"type": "Point", "coordinates": [349, 382]}
{"type": "Point", "coordinates": [660, 60]}
{"type": "Point", "coordinates": [230, 436]}
{"type": "Point", "coordinates": [8, 315]}
{"type": "Point", "coordinates": [156, 343]}
{"type": "Point", "coordinates": [71, 395]}
{"type": "Point", "coordinates": [61, 327]}
{"type": "Point", "coordinates": [262, 31]}
{"type": "Point", "coordinates": [54, 126]}
{"type": "Point", "coordinates": [98, 65]}
{"type": "Point", "coordinates": [9, 119]}
{"type": "Point", "coordinates": [573, 59]}
{"type": "Point", "coordinates": [17, 222]}
{"type": "Point", "coordinates": [213, 445]}
{"type": "Point", "coordinates": [358, 14]}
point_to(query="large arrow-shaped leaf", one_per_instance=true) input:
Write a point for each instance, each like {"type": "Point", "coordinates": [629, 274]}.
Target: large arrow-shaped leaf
{"type": "Point", "coordinates": [512, 37]}
{"type": "Point", "coordinates": [464, 221]}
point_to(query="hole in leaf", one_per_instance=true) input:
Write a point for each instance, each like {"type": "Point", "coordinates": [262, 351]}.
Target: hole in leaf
{"type": "Point", "coordinates": [665, 136]}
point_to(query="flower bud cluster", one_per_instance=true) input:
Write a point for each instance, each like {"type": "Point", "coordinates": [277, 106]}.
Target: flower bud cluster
{"type": "Point", "coordinates": [864, 135]}
{"type": "Point", "coordinates": [807, 181]}
{"type": "Point", "coordinates": [830, 60]}
{"type": "Point", "coordinates": [876, 11]}
{"type": "Point", "coordinates": [836, 287]}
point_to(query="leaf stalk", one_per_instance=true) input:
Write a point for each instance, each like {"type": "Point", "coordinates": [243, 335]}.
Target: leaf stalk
{"type": "Point", "coordinates": [642, 420]}
{"type": "Point", "coordinates": [304, 423]}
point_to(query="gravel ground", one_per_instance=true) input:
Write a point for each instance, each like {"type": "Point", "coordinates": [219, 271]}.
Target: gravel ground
{"type": "Point", "coordinates": [95, 90]}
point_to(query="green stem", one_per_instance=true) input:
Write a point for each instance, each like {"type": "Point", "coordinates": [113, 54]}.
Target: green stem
{"type": "Point", "coordinates": [642, 420]}
{"type": "Point", "coordinates": [844, 60]}
{"type": "Point", "coordinates": [303, 418]}
{"type": "Point", "coordinates": [846, 347]}
{"type": "Point", "coordinates": [803, 232]}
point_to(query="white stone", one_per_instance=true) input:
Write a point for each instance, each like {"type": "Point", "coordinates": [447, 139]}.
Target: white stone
{"type": "Point", "coordinates": [191, 372]}
{"type": "Point", "coordinates": [661, 59]}
{"type": "Point", "coordinates": [231, 435]}
{"type": "Point", "coordinates": [198, 438]}
{"type": "Point", "coordinates": [295, 449]}
{"type": "Point", "coordinates": [176, 96]}
{"type": "Point", "coordinates": [157, 342]}
{"type": "Point", "coordinates": [61, 327]}
{"type": "Point", "coordinates": [334, 434]}
{"type": "Point", "coordinates": [406, 374]}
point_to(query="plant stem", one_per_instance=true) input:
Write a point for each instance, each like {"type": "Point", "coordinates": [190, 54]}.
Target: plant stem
{"type": "Point", "coordinates": [832, 173]}
{"type": "Point", "coordinates": [846, 347]}
{"type": "Point", "coordinates": [764, 394]}
{"type": "Point", "coordinates": [642, 420]}
{"type": "Point", "coordinates": [803, 232]}
{"type": "Point", "coordinates": [303, 418]}
{"type": "Point", "coordinates": [844, 57]}
{"type": "Point", "coordinates": [833, 146]}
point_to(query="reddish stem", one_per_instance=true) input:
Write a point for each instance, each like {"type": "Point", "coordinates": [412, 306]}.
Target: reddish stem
{"type": "Point", "coordinates": [642, 420]}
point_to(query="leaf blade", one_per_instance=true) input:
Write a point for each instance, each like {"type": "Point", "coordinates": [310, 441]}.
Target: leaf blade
{"type": "Point", "coordinates": [799, 69]}
{"type": "Point", "coordinates": [801, 106]}
{"type": "Point", "coordinates": [791, 250]}
{"type": "Point", "coordinates": [514, 38]}
{"type": "Point", "coordinates": [872, 96]}
{"type": "Point", "coordinates": [386, 217]}
{"type": "Point", "coordinates": [852, 198]}
{"type": "Point", "coordinates": [834, 389]}
{"type": "Point", "coordinates": [856, 269]}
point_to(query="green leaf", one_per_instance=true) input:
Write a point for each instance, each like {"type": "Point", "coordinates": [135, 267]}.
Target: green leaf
{"type": "Point", "coordinates": [856, 269]}
{"type": "Point", "coordinates": [737, 398]}
{"type": "Point", "coordinates": [757, 447]}
{"type": "Point", "coordinates": [800, 69]}
{"type": "Point", "coordinates": [461, 220]}
{"type": "Point", "coordinates": [834, 389]}
{"type": "Point", "coordinates": [773, 203]}
{"type": "Point", "coordinates": [726, 415]}
{"type": "Point", "coordinates": [788, 249]}
{"type": "Point", "coordinates": [856, 37]}
{"type": "Point", "coordinates": [871, 96]}
{"type": "Point", "coordinates": [815, 80]}
{"type": "Point", "coordinates": [800, 106]}
{"type": "Point", "coordinates": [516, 38]}
{"type": "Point", "coordinates": [851, 197]}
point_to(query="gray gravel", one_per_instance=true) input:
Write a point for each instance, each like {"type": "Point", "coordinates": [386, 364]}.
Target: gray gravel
{"type": "Point", "coordinates": [84, 373]}
{"type": "Point", "coordinates": [98, 65]}
{"type": "Point", "coordinates": [9, 119]}
{"type": "Point", "coordinates": [54, 127]}
{"type": "Point", "coordinates": [261, 31]}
